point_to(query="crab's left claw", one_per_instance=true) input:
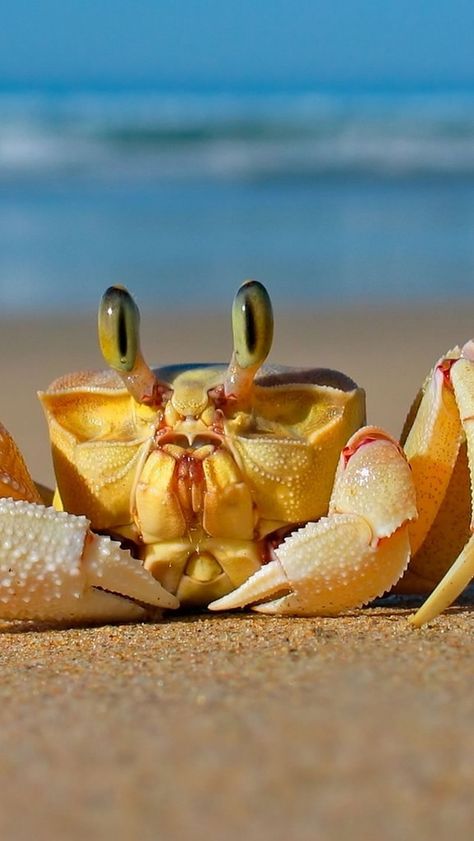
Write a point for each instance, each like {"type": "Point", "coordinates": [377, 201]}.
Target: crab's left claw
{"type": "Point", "coordinates": [52, 568]}
{"type": "Point", "coordinates": [354, 554]}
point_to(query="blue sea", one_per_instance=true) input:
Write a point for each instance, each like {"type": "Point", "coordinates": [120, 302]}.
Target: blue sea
{"type": "Point", "coordinates": [330, 197]}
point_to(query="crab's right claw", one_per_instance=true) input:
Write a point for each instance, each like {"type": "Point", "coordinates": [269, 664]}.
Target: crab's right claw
{"type": "Point", "coordinates": [354, 554]}
{"type": "Point", "coordinates": [52, 568]}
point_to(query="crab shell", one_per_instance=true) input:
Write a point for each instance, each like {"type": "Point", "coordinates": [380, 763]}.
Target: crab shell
{"type": "Point", "coordinates": [200, 488]}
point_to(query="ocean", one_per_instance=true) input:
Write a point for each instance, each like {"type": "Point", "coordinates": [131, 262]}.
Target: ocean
{"type": "Point", "coordinates": [330, 198]}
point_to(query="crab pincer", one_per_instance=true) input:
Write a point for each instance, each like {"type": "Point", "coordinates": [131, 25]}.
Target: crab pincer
{"type": "Point", "coordinates": [354, 554]}
{"type": "Point", "coordinates": [52, 568]}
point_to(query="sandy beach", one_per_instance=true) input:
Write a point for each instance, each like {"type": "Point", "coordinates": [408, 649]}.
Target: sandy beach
{"type": "Point", "coordinates": [223, 727]}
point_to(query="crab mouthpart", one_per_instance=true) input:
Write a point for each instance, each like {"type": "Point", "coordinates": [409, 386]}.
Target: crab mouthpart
{"type": "Point", "coordinates": [187, 436]}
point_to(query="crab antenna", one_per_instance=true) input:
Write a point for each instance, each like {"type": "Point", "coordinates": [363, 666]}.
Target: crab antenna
{"type": "Point", "coordinates": [119, 339]}
{"type": "Point", "coordinates": [252, 326]}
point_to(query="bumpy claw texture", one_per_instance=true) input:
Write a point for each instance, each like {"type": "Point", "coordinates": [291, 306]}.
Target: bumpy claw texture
{"type": "Point", "coordinates": [52, 568]}
{"type": "Point", "coordinates": [354, 554]}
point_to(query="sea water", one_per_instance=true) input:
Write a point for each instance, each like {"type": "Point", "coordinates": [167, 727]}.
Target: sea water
{"type": "Point", "coordinates": [329, 197]}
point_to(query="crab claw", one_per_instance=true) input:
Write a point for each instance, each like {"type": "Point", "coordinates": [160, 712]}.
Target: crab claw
{"type": "Point", "coordinates": [52, 568]}
{"type": "Point", "coordinates": [354, 554]}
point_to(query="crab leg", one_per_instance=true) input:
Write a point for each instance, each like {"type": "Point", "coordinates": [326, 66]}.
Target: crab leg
{"type": "Point", "coordinates": [15, 480]}
{"type": "Point", "coordinates": [432, 447]}
{"type": "Point", "coordinates": [460, 381]}
{"type": "Point", "coordinates": [355, 553]}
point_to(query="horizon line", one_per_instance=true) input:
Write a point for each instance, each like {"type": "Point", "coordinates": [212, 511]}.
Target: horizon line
{"type": "Point", "coordinates": [233, 86]}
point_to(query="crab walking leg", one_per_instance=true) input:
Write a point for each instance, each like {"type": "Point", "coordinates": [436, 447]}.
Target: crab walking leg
{"type": "Point", "coordinates": [432, 447]}
{"type": "Point", "coordinates": [15, 480]}
{"type": "Point", "coordinates": [449, 588]}
{"type": "Point", "coordinates": [355, 553]}
{"type": "Point", "coordinates": [52, 568]}
{"type": "Point", "coordinates": [462, 571]}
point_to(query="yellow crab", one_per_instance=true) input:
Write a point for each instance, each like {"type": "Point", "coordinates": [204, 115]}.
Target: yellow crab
{"type": "Point", "coordinates": [233, 485]}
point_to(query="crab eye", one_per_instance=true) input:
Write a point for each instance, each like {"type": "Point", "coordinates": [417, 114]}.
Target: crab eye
{"type": "Point", "coordinates": [252, 324]}
{"type": "Point", "coordinates": [119, 321]}
{"type": "Point", "coordinates": [119, 339]}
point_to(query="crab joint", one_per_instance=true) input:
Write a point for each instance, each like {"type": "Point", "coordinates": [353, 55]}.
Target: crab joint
{"type": "Point", "coordinates": [252, 326]}
{"type": "Point", "coordinates": [119, 339]}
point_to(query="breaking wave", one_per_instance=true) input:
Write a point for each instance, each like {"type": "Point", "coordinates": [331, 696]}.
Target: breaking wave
{"type": "Point", "coordinates": [248, 136]}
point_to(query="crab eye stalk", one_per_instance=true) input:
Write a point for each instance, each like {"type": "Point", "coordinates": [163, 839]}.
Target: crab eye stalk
{"type": "Point", "coordinates": [252, 326]}
{"type": "Point", "coordinates": [119, 339]}
{"type": "Point", "coordinates": [119, 322]}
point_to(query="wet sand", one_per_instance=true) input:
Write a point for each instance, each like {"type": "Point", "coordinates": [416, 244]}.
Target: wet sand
{"type": "Point", "coordinates": [223, 727]}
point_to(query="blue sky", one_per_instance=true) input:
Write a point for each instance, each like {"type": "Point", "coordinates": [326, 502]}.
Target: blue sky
{"type": "Point", "coordinates": [282, 42]}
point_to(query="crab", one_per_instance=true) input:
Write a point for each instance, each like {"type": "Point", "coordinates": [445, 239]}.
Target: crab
{"type": "Point", "coordinates": [234, 485]}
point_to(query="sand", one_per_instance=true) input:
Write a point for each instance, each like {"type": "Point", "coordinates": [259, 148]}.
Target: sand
{"type": "Point", "coordinates": [239, 726]}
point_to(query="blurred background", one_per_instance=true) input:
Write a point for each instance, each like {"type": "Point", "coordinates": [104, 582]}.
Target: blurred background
{"type": "Point", "coordinates": [325, 148]}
